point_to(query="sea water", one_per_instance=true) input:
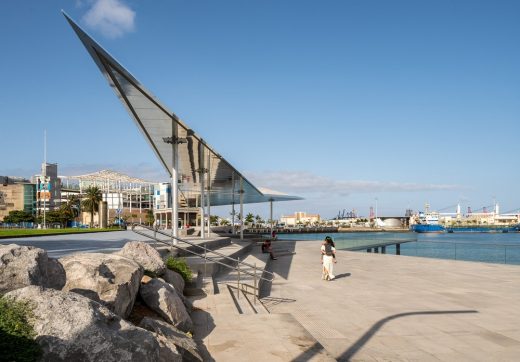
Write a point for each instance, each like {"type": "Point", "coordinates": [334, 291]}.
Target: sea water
{"type": "Point", "coordinates": [501, 248]}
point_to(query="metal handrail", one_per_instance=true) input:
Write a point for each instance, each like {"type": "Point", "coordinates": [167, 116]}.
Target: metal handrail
{"type": "Point", "coordinates": [206, 250]}
{"type": "Point", "coordinates": [205, 256]}
{"type": "Point", "coordinates": [377, 245]}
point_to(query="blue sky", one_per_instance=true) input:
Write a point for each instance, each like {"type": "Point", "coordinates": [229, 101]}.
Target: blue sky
{"type": "Point", "coordinates": [341, 102]}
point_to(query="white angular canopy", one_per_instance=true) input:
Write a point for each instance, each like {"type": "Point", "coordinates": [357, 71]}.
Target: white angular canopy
{"type": "Point", "coordinates": [156, 122]}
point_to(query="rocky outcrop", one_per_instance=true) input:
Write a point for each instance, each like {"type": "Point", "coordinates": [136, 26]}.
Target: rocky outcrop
{"type": "Point", "coordinates": [168, 334]}
{"type": "Point", "coordinates": [174, 279]}
{"type": "Point", "coordinates": [112, 280]}
{"type": "Point", "coordinates": [21, 266]}
{"type": "Point", "coordinates": [144, 255]}
{"type": "Point", "coordinates": [164, 299]}
{"type": "Point", "coordinates": [71, 327]}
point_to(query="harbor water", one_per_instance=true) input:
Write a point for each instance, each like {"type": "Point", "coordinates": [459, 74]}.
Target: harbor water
{"type": "Point", "coordinates": [503, 248]}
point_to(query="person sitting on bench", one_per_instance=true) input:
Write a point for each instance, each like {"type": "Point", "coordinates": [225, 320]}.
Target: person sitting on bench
{"type": "Point", "coordinates": [267, 248]}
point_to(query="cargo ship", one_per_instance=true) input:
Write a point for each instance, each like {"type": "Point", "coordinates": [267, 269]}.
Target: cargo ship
{"type": "Point", "coordinates": [483, 222]}
{"type": "Point", "coordinates": [427, 222]}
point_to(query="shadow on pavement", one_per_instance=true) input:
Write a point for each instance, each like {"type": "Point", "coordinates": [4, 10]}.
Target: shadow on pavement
{"type": "Point", "coordinates": [343, 275]}
{"type": "Point", "coordinates": [307, 355]}
{"type": "Point", "coordinates": [352, 350]}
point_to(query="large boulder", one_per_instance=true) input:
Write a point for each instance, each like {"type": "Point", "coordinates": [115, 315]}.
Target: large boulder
{"type": "Point", "coordinates": [21, 266]}
{"type": "Point", "coordinates": [164, 299]}
{"type": "Point", "coordinates": [175, 279]}
{"type": "Point", "coordinates": [71, 327]}
{"type": "Point", "coordinates": [145, 255]}
{"type": "Point", "coordinates": [110, 279]}
{"type": "Point", "coordinates": [171, 335]}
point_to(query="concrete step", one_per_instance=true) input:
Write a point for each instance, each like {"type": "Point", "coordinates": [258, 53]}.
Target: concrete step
{"type": "Point", "coordinates": [245, 302]}
{"type": "Point", "coordinates": [209, 267]}
{"type": "Point", "coordinates": [229, 336]}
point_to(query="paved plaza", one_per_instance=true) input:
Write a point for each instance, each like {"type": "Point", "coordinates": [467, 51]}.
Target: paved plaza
{"type": "Point", "coordinates": [398, 308]}
{"type": "Point", "coordinates": [61, 245]}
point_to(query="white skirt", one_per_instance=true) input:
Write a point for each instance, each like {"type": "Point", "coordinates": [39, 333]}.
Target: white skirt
{"type": "Point", "coordinates": [328, 266]}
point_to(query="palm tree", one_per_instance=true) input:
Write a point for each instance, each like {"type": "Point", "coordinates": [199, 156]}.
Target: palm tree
{"type": "Point", "coordinates": [91, 201]}
{"type": "Point", "coordinates": [250, 218]}
{"type": "Point", "coordinates": [70, 210]}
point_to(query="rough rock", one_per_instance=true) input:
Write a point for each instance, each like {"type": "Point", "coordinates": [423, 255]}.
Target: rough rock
{"type": "Point", "coordinates": [187, 303]}
{"type": "Point", "coordinates": [71, 327]}
{"type": "Point", "coordinates": [184, 344]}
{"type": "Point", "coordinates": [164, 299]}
{"type": "Point", "coordinates": [110, 279]}
{"type": "Point", "coordinates": [21, 266]}
{"type": "Point", "coordinates": [56, 276]}
{"type": "Point", "coordinates": [144, 255]}
{"type": "Point", "coordinates": [174, 279]}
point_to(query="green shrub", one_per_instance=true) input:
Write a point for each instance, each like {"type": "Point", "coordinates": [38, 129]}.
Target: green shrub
{"type": "Point", "coordinates": [16, 333]}
{"type": "Point", "coordinates": [179, 265]}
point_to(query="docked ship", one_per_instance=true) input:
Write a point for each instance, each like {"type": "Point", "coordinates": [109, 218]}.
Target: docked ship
{"type": "Point", "coordinates": [426, 222]}
{"type": "Point", "coordinates": [483, 222]}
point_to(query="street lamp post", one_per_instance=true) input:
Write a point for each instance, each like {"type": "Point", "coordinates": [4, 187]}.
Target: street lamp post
{"type": "Point", "coordinates": [174, 141]}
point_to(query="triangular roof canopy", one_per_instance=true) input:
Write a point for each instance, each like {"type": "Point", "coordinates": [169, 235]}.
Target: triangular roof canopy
{"type": "Point", "coordinates": [156, 122]}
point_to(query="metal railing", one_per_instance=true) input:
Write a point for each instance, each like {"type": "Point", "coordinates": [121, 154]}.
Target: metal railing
{"type": "Point", "coordinates": [482, 252]}
{"type": "Point", "coordinates": [236, 262]}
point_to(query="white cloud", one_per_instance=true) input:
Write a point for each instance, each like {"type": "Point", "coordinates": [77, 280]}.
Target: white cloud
{"type": "Point", "coordinates": [308, 183]}
{"type": "Point", "coordinates": [111, 17]}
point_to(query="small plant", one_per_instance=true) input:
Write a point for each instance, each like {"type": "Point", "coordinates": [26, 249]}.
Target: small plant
{"type": "Point", "coordinates": [16, 333]}
{"type": "Point", "coordinates": [179, 265]}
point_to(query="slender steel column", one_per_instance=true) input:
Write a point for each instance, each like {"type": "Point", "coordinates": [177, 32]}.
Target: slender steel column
{"type": "Point", "coordinates": [175, 196]}
{"type": "Point", "coordinates": [233, 203]}
{"type": "Point", "coordinates": [208, 200]}
{"type": "Point", "coordinates": [271, 215]}
{"type": "Point", "coordinates": [202, 191]}
{"type": "Point", "coordinates": [241, 208]}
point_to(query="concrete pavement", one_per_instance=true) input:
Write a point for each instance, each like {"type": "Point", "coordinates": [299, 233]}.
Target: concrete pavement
{"type": "Point", "coordinates": [398, 308]}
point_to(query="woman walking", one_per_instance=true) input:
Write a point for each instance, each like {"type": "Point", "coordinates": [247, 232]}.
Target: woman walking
{"type": "Point", "coordinates": [328, 258]}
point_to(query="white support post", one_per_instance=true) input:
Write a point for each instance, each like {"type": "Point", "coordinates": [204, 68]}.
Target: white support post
{"type": "Point", "coordinates": [209, 194]}
{"type": "Point", "coordinates": [233, 203]}
{"type": "Point", "coordinates": [175, 196]}
{"type": "Point", "coordinates": [202, 192]}
{"type": "Point", "coordinates": [271, 215]}
{"type": "Point", "coordinates": [241, 209]}
{"type": "Point", "coordinates": [130, 196]}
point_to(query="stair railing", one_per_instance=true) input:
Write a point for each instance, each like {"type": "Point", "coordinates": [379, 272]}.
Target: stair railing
{"type": "Point", "coordinates": [236, 262]}
{"type": "Point", "coordinates": [203, 248]}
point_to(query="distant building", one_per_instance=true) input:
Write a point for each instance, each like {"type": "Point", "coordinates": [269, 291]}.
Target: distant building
{"type": "Point", "coordinates": [48, 188]}
{"type": "Point", "coordinates": [16, 194]}
{"type": "Point", "coordinates": [300, 218]}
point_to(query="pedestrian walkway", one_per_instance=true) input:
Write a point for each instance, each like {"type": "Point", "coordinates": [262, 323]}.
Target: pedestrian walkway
{"type": "Point", "coordinates": [399, 308]}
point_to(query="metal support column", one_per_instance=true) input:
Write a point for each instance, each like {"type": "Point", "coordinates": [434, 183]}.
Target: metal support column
{"type": "Point", "coordinates": [271, 216]}
{"type": "Point", "coordinates": [233, 203]}
{"type": "Point", "coordinates": [208, 200]}
{"type": "Point", "coordinates": [201, 171]}
{"type": "Point", "coordinates": [175, 141]}
{"type": "Point", "coordinates": [175, 196]}
{"type": "Point", "coordinates": [241, 209]}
